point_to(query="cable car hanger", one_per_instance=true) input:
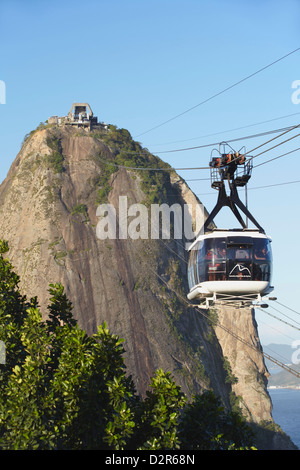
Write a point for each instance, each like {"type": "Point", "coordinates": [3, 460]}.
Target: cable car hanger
{"type": "Point", "coordinates": [236, 169]}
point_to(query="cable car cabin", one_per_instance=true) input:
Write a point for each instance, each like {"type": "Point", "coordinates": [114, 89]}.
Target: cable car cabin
{"type": "Point", "coordinates": [229, 264]}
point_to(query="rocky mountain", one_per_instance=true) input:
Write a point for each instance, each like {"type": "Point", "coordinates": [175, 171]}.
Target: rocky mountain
{"type": "Point", "coordinates": [48, 213]}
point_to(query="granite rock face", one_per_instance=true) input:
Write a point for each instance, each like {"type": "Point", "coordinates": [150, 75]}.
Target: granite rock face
{"type": "Point", "coordinates": [246, 363]}
{"type": "Point", "coordinates": [48, 213]}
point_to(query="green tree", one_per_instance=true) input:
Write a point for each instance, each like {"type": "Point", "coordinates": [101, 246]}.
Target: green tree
{"type": "Point", "coordinates": [159, 414]}
{"type": "Point", "coordinates": [206, 425]}
{"type": "Point", "coordinates": [59, 388]}
{"type": "Point", "coordinates": [63, 389]}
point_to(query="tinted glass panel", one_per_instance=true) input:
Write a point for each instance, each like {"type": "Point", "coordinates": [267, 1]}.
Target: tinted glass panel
{"type": "Point", "coordinates": [191, 268]}
{"type": "Point", "coordinates": [234, 258]}
{"type": "Point", "coordinates": [239, 262]}
{"type": "Point", "coordinates": [211, 260]}
{"type": "Point", "coordinates": [262, 260]}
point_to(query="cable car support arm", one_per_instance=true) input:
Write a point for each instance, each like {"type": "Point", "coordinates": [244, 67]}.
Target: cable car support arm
{"type": "Point", "coordinates": [223, 169]}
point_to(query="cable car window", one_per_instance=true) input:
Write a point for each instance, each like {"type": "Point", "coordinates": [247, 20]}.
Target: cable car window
{"type": "Point", "coordinates": [201, 266]}
{"type": "Point", "coordinates": [262, 260]}
{"type": "Point", "coordinates": [231, 240]}
{"type": "Point", "coordinates": [192, 279]}
{"type": "Point", "coordinates": [240, 252]}
{"type": "Point", "coordinates": [219, 269]}
{"type": "Point", "coordinates": [209, 249]}
{"type": "Point", "coordinates": [262, 250]}
{"type": "Point", "coordinates": [211, 261]}
{"type": "Point", "coordinates": [239, 264]}
{"type": "Point", "coordinates": [220, 248]}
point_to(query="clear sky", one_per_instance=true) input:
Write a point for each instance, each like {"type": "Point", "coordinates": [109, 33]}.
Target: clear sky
{"type": "Point", "coordinates": [140, 63]}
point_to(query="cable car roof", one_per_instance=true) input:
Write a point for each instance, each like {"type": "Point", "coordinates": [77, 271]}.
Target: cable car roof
{"type": "Point", "coordinates": [225, 233]}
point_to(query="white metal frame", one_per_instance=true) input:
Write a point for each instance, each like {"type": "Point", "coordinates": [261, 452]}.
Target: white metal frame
{"type": "Point", "coordinates": [237, 301]}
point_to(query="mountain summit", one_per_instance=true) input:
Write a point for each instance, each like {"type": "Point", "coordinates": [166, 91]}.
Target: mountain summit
{"type": "Point", "coordinates": [64, 171]}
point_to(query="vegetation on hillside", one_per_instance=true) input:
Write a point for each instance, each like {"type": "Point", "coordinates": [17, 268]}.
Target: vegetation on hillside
{"type": "Point", "coordinates": [130, 154]}
{"type": "Point", "coordinates": [63, 389]}
{"type": "Point", "coordinates": [55, 159]}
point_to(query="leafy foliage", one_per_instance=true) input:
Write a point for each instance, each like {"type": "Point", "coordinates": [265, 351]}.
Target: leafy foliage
{"type": "Point", "coordinates": [207, 425]}
{"type": "Point", "coordinates": [79, 212]}
{"type": "Point", "coordinates": [63, 389]}
{"type": "Point", "coordinates": [55, 159]}
{"type": "Point", "coordinates": [160, 414]}
{"type": "Point", "coordinates": [130, 154]}
{"type": "Point", "coordinates": [103, 181]}
{"type": "Point", "coordinates": [40, 127]}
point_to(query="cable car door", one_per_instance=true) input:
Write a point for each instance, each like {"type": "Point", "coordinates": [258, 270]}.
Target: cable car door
{"type": "Point", "coordinates": [239, 259]}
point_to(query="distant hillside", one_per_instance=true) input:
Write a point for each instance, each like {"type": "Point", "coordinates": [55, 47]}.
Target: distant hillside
{"type": "Point", "coordinates": [280, 377]}
{"type": "Point", "coordinates": [285, 379]}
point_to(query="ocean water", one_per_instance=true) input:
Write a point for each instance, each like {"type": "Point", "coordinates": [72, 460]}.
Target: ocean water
{"type": "Point", "coordinates": [286, 411]}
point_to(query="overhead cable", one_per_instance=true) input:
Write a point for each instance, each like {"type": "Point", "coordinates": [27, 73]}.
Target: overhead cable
{"type": "Point", "coordinates": [285, 315]}
{"type": "Point", "coordinates": [220, 92]}
{"type": "Point", "coordinates": [282, 321]}
{"type": "Point", "coordinates": [276, 158]}
{"type": "Point", "coordinates": [285, 306]}
{"type": "Point", "coordinates": [271, 327]}
{"type": "Point", "coordinates": [228, 130]}
{"type": "Point", "coordinates": [271, 140]}
{"type": "Point", "coordinates": [255, 166]}
{"type": "Point", "coordinates": [256, 187]}
{"type": "Point", "coordinates": [286, 129]}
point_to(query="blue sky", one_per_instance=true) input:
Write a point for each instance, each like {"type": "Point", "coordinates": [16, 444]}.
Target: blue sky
{"type": "Point", "coordinates": [140, 63]}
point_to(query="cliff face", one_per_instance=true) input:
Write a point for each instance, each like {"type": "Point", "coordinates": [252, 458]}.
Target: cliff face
{"type": "Point", "coordinates": [48, 206]}
{"type": "Point", "coordinates": [247, 364]}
